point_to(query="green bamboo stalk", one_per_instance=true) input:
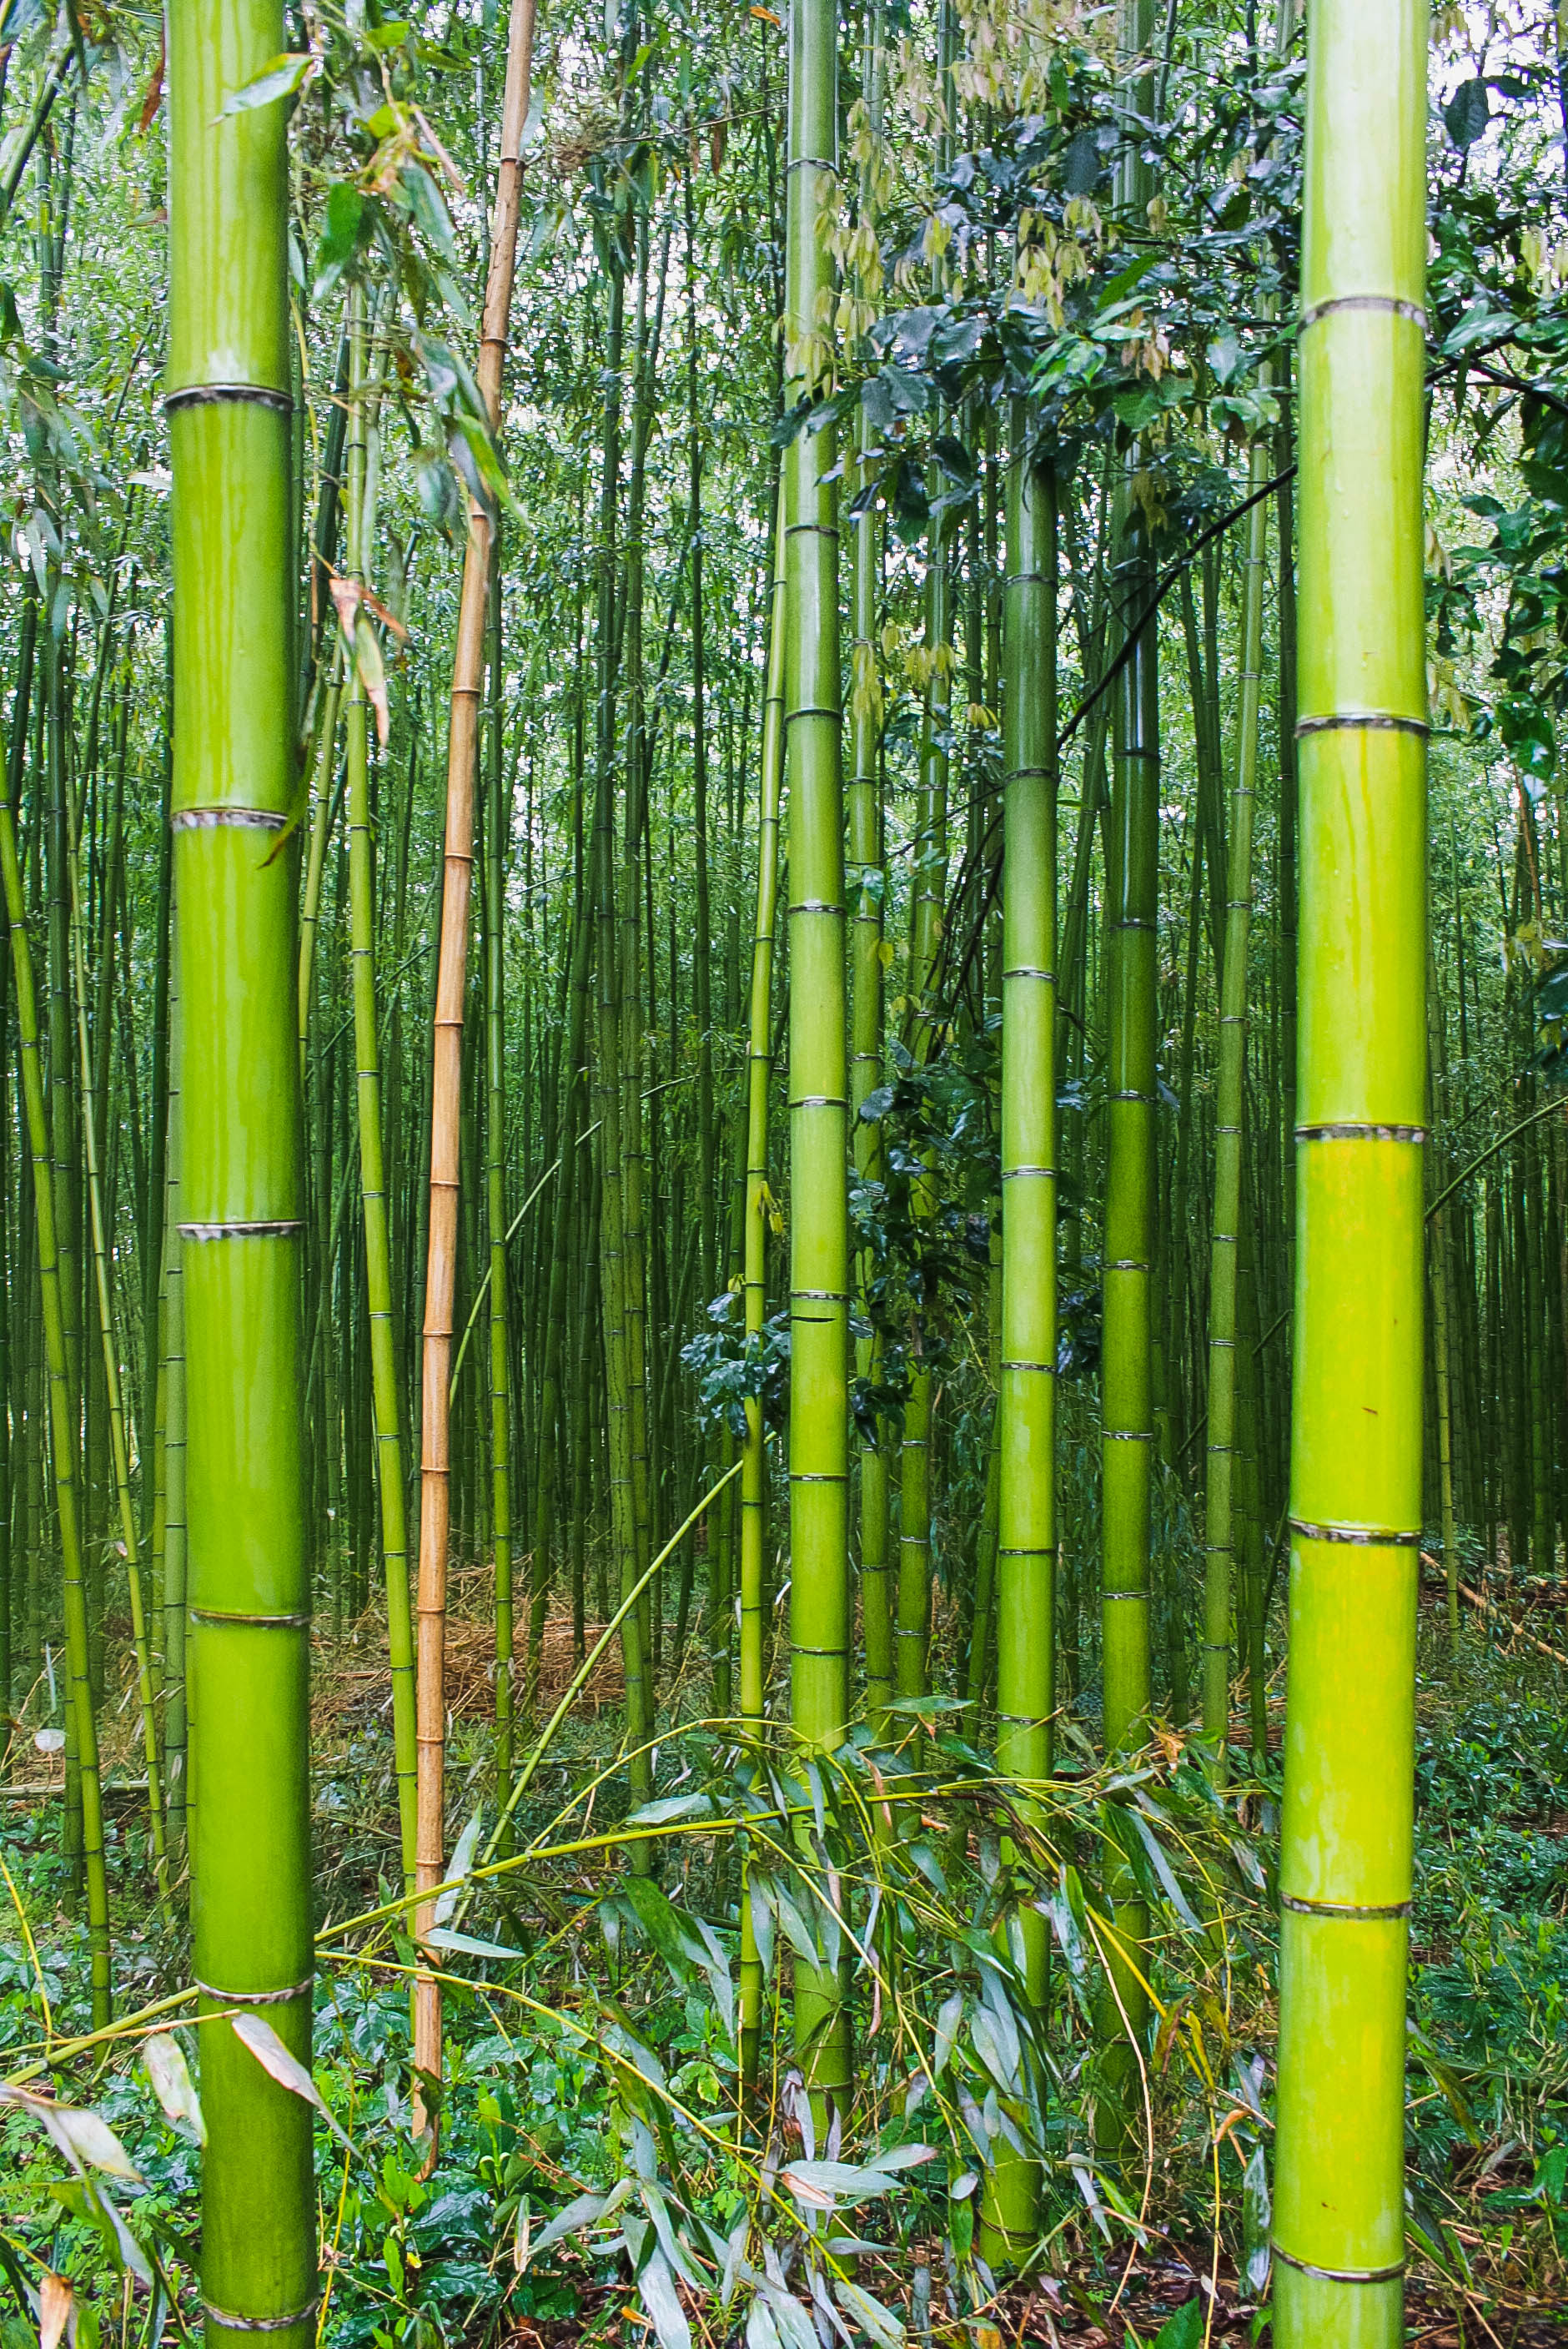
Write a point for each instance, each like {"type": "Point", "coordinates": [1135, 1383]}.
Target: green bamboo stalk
{"type": "Point", "coordinates": [154, 1237]}
{"type": "Point", "coordinates": [1132, 1013]}
{"type": "Point", "coordinates": [120, 1451]}
{"type": "Point", "coordinates": [1225, 1372]}
{"type": "Point", "coordinates": [497, 830]}
{"type": "Point", "coordinates": [759, 1075]}
{"type": "Point", "coordinates": [1345, 1857]}
{"type": "Point", "coordinates": [80, 1712]}
{"type": "Point", "coordinates": [1438, 1273]}
{"type": "Point", "coordinates": [228, 399]}
{"type": "Point", "coordinates": [325, 813]}
{"type": "Point", "coordinates": [610, 1098]}
{"type": "Point", "coordinates": [928, 894]}
{"type": "Point", "coordinates": [8, 1396]}
{"type": "Point", "coordinates": [64, 1137]}
{"type": "Point", "coordinates": [819, 1083]}
{"type": "Point", "coordinates": [364, 402]}
{"type": "Point", "coordinates": [175, 1548]}
{"type": "Point", "coordinates": [553, 1414]}
{"type": "Point", "coordinates": [634, 1155]}
{"type": "Point", "coordinates": [866, 879]}
{"type": "Point", "coordinates": [1027, 1395]}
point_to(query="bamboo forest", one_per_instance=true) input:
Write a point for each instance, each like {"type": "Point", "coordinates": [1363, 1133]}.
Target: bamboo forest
{"type": "Point", "coordinates": [784, 1174]}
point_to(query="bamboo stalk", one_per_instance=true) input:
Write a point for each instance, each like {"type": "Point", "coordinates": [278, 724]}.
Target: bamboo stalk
{"type": "Point", "coordinates": [384, 1402]}
{"type": "Point", "coordinates": [80, 1709]}
{"type": "Point", "coordinates": [229, 399]}
{"type": "Point", "coordinates": [818, 1087]}
{"type": "Point", "coordinates": [120, 1454]}
{"type": "Point", "coordinates": [440, 1276]}
{"type": "Point", "coordinates": [1227, 1372]}
{"type": "Point", "coordinates": [498, 825]}
{"type": "Point", "coordinates": [1027, 1397]}
{"type": "Point", "coordinates": [759, 1072]}
{"type": "Point", "coordinates": [1346, 1832]}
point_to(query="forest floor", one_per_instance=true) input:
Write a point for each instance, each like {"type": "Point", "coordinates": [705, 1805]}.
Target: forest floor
{"type": "Point", "coordinates": [533, 2118]}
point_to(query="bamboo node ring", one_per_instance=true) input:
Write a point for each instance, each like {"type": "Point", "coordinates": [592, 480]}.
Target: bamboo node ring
{"type": "Point", "coordinates": [283, 1227]}
{"type": "Point", "coordinates": [1374, 722]}
{"type": "Point", "coordinates": [219, 1618]}
{"type": "Point", "coordinates": [1390, 303]}
{"type": "Point", "coordinates": [1360, 1536]}
{"type": "Point", "coordinates": [222, 819]}
{"type": "Point", "coordinates": [257, 1997]}
{"type": "Point", "coordinates": [1339, 2275]}
{"type": "Point", "coordinates": [228, 395]}
{"type": "Point", "coordinates": [1386, 1910]}
{"type": "Point", "coordinates": [1349, 1130]}
{"type": "Point", "coordinates": [230, 2323]}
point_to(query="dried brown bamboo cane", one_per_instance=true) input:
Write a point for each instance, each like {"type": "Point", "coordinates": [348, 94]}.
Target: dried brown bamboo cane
{"type": "Point", "coordinates": [441, 1259]}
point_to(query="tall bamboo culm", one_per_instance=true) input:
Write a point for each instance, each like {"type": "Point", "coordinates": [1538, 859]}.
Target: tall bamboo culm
{"type": "Point", "coordinates": [819, 1076]}
{"type": "Point", "coordinates": [1027, 1398]}
{"type": "Point", "coordinates": [62, 1429]}
{"type": "Point", "coordinates": [233, 785]}
{"type": "Point", "coordinates": [385, 1392]}
{"type": "Point", "coordinates": [1225, 1368]}
{"type": "Point", "coordinates": [1132, 1011]}
{"type": "Point", "coordinates": [446, 1097]}
{"type": "Point", "coordinates": [758, 1079]}
{"type": "Point", "coordinates": [865, 1074]}
{"type": "Point", "coordinates": [1346, 1856]}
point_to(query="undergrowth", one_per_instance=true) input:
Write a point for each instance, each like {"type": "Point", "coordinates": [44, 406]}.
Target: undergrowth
{"type": "Point", "coordinates": [602, 2172]}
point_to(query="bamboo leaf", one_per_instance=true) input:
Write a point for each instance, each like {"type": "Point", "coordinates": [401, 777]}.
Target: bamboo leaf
{"type": "Point", "coordinates": [657, 2287]}
{"type": "Point", "coordinates": [55, 2308]}
{"type": "Point", "coordinates": [429, 209]}
{"type": "Point", "coordinates": [1164, 1871]}
{"type": "Point", "coordinates": [80, 2135]}
{"type": "Point", "coordinates": [257, 2033]}
{"type": "Point", "coordinates": [586, 2210]}
{"type": "Point", "coordinates": [822, 2184]}
{"type": "Point", "coordinates": [462, 1859]}
{"type": "Point", "coordinates": [671, 1807]}
{"type": "Point", "coordinates": [164, 2059]}
{"type": "Point", "coordinates": [441, 1937]}
{"type": "Point", "coordinates": [1257, 2211]}
{"type": "Point", "coordinates": [758, 1892]}
{"type": "Point", "coordinates": [761, 2332]}
{"type": "Point", "coordinates": [280, 77]}
{"type": "Point", "coordinates": [870, 2314]}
